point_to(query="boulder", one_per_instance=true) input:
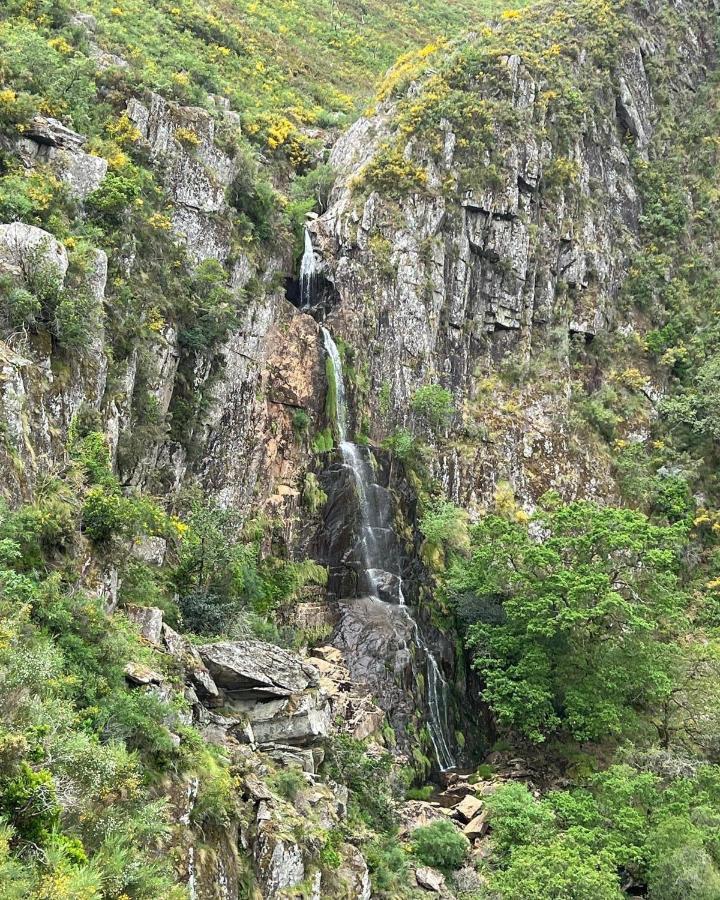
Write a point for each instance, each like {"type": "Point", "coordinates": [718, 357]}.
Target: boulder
{"type": "Point", "coordinates": [46, 130]}
{"type": "Point", "coordinates": [354, 872]}
{"type": "Point", "coordinates": [139, 674]}
{"type": "Point", "coordinates": [257, 789]}
{"type": "Point", "coordinates": [289, 757]}
{"type": "Point", "coordinates": [476, 827]}
{"type": "Point", "coordinates": [468, 881]}
{"type": "Point", "coordinates": [430, 879]}
{"type": "Point", "coordinates": [416, 813]}
{"type": "Point", "coordinates": [149, 619]}
{"type": "Point", "coordinates": [20, 242]}
{"type": "Point", "coordinates": [255, 670]}
{"type": "Point", "coordinates": [279, 861]}
{"type": "Point", "coordinates": [151, 550]}
{"type": "Point", "coordinates": [469, 807]}
{"type": "Point", "coordinates": [298, 720]}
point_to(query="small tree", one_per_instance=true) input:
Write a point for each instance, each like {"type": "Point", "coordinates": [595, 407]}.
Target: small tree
{"type": "Point", "coordinates": [434, 404]}
{"type": "Point", "coordinates": [586, 617]}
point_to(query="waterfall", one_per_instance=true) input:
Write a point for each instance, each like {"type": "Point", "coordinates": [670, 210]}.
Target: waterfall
{"type": "Point", "coordinates": [378, 549]}
{"type": "Point", "coordinates": [308, 272]}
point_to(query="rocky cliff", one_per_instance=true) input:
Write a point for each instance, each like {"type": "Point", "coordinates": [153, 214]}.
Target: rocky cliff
{"type": "Point", "coordinates": [483, 225]}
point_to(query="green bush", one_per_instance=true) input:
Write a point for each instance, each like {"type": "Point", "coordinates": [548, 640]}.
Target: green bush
{"type": "Point", "coordinates": [21, 306]}
{"type": "Point", "coordinates": [420, 793]}
{"type": "Point", "coordinates": [288, 783]}
{"type": "Point", "coordinates": [388, 867]}
{"type": "Point", "coordinates": [434, 404]}
{"type": "Point", "coordinates": [559, 869]}
{"type": "Point", "coordinates": [440, 845]}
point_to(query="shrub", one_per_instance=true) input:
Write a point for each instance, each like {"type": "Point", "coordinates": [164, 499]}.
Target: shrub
{"type": "Point", "coordinates": [288, 783]}
{"type": "Point", "coordinates": [420, 793]}
{"type": "Point", "coordinates": [388, 866]}
{"type": "Point", "coordinates": [300, 422]}
{"type": "Point", "coordinates": [440, 845]}
{"type": "Point", "coordinates": [517, 818]}
{"type": "Point", "coordinates": [434, 404]}
{"type": "Point", "coordinates": [561, 868]}
{"type": "Point", "coordinates": [22, 307]}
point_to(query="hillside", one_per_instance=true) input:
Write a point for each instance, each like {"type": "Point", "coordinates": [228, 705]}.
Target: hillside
{"type": "Point", "coordinates": [359, 404]}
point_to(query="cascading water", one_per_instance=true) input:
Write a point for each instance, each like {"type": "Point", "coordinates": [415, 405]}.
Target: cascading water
{"type": "Point", "coordinates": [379, 556]}
{"type": "Point", "coordinates": [308, 273]}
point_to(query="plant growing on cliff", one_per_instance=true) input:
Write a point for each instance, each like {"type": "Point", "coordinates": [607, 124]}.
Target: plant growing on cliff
{"type": "Point", "coordinates": [440, 845]}
{"type": "Point", "coordinates": [434, 405]}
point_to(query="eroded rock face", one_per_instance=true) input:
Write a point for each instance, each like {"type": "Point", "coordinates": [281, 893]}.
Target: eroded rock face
{"type": "Point", "coordinates": [449, 283]}
{"type": "Point", "coordinates": [37, 401]}
{"type": "Point", "coordinates": [46, 141]}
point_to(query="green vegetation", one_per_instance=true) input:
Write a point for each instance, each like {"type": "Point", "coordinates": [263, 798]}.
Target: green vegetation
{"type": "Point", "coordinates": [73, 734]}
{"type": "Point", "coordinates": [434, 404]}
{"type": "Point", "coordinates": [655, 830]}
{"type": "Point", "coordinates": [579, 632]}
{"type": "Point", "coordinates": [440, 845]}
{"type": "Point", "coordinates": [464, 86]}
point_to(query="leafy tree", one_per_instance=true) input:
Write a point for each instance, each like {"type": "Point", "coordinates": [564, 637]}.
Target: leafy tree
{"type": "Point", "coordinates": [575, 617]}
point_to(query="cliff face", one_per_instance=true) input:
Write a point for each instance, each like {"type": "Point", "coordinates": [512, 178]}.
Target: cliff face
{"type": "Point", "coordinates": [497, 247]}
{"type": "Point", "coordinates": [245, 450]}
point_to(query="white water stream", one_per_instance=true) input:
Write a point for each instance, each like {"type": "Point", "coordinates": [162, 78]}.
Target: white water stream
{"type": "Point", "coordinates": [376, 542]}
{"type": "Point", "coordinates": [308, 273]}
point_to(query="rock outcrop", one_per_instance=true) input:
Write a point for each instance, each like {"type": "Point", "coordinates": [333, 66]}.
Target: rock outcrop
{"type": "Point", "coordinates": [38, 402]}
{"type": "Point", "coordinates": [509, 249]}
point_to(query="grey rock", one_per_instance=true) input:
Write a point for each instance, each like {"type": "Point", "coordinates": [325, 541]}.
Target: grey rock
{"type": "Point", "coordinates": [476, 827]}
{"type": "Point", "coordinates": [139, 674]}
{"type": "Point", "coordinates": [20, 243]}
{"type": "Point", "coordinates": [354, 872]}
{"type": "Point", "coordinates": [290, 757]}
{"type": "Point", "coordinates": [46, 130]}
{"type": "Point", "coordinates": [256, 670]}
{"type": "Point", "coordinates": [149, 619]}
{"type": "Point", "coordinates": [151, 550]}
{"type": "Point", "coordinates": [469, 807]}
{"type": "Point", "coordinates": [195, 668]}
{"type": "Point", "coordinates": [430, 879]}
{"type": "Point", "coordinates": [279, 862]}
{"type": "Point", "coordinates": [298, 720]}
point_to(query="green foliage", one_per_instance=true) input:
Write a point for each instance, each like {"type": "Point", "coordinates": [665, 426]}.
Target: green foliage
{"type": "Point", "coordinates": [444, 526]}
{"type": "Point", "coordinates": [222, 576]}
{"type": "Point", "coordinates": [434, 404]}
{"type": "Point", "coordinates": [388, 866]}
{"type": "Point", "coordinates": [576, 843]}
{"type": "Point", "coordinates": [288, 783]}
{"type": "Point", "coordinates": [313, 496]}
{"type": "Point", "coordinates": [314, 185]}
{"type": "Point", "coordinates": [41, 303]}
{"type": "Point", "coordinates": [440, 845]}
{"type": "Point", "coordinates": [301, 422]}
{"type": "Point", "coordinates": [367, 777]}
{"type": "Point", "coordinates": [420, 793]}
{"type": "Point", "coordinates": [565, 869]}
{"type": "Point", "coordinates": [574, 632]}
{"type": "Point", "coordinates": [73, 736]}
{"type": "Point", "coordinates": [212, 312]}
